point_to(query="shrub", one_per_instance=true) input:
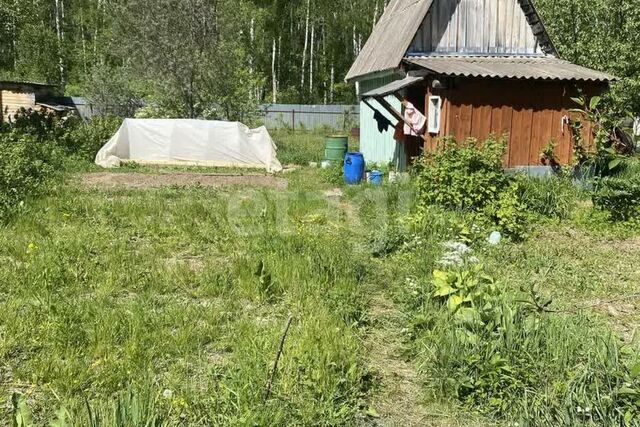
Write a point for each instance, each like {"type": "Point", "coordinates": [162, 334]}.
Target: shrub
{"type": "Point", "coordinates": [509, 213]}
{"type": "Point", "coordinates": [85, 140]}
{"type": "Point", "coordinates": [26, 163]}
{"type": "Point", "coordinates": [620, 197]}
{"type": "Point", "coordinates": [469, 177]}
{"type": "Point", "coordinates": [462, 175]}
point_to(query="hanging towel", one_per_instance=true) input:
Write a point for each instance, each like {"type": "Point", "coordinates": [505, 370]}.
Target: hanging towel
{"type": "Point", "coordinates": [415, 118]}
{"type": "Point", "coordinates": [383, 123]}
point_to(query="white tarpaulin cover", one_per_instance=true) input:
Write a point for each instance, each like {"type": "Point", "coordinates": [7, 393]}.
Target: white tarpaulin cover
{"type": "Point", "coordinates": [190, 142]}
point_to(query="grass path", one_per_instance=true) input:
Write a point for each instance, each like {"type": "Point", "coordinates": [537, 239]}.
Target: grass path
{"type": "Point", "coordinates": [398, 399]}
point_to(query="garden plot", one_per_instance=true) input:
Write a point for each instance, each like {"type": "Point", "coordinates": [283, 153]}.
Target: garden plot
{"type": "Point", "coordinates": [155, 180]}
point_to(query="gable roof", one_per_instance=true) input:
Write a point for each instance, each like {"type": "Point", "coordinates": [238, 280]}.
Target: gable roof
{"type": "Point", "coordinates": [396, 29]}
{"type": "Point", "coordinates": [390, 38]}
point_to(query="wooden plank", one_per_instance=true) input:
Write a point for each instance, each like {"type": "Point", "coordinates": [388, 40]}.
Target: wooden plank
{"type": "Point", "coordinates": [483, 118]}
{"type": "Point", "coordinates": [490, 29]}
{"type": "Point", "coordinates": [462, 26]}
{"type": "Point", "coordinates": [466, 120]}
{"type": "Point", "coordinates": [508, 24]}
{"type": "Point", "coordinates": [540, 129]}
{"type": "Point", "coordinates": [454, 26]}
{"type": "Point", "coordinates": [519, 150]}
{"type": "Point", "coordinates": [435, 24]}
{"type": "Point", "coordinates": [428, 45]}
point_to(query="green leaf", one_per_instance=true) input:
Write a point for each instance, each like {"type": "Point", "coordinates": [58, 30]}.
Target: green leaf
{"type": "Point", "coordinates": [628, 391]}
{"type": "Point", "coordinates": [22, 414]}
{"type": "Point", "coordinates": [613, 164]}
{"type": "Point", "coordinates": [61, 419]}
{"type": "Point", "coordinates": [444, 290]}
{"type": "Point", "coordinates": [635, 371]}
{"type": "Point", "coordinates": [595, 101]}
{"type": "Point", "coordinates": [371, 412]}
{"type": "Point", "coordinates": [454, 302]}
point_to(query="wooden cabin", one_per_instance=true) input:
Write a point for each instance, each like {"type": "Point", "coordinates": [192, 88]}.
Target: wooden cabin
{"type": "Point", "coordinates": [15, 95]}
{"type": "Point", "coordinates": [473, 68]}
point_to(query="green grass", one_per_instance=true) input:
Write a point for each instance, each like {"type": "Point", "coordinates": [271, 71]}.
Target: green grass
{"type": "Point", "coordinates": [165, 306]}
{"type": "Point", "coordinates": [159, 290]}
{"type": "Point", "coordinates": [301, 148]}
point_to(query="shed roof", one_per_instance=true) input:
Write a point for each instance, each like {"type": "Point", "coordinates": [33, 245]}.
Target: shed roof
{"type": "Point", "coordinates": [390, 38]}
{"type": "Point", "coordinates": [25, 83]}
{"type": "Point", "coordinates": [508, 67]}
{"type": "Point", "coordinates": [393, 86]}
{"type": "Point", "coordinates": [396, 29]}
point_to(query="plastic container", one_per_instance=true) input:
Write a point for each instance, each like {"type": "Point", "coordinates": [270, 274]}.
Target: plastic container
{"type": "Point", "coordinates": [375, 177]}
{"type": "Point", "coordinates": [353, 168]}
{"type": "Point", "coordinates": [335, 148]}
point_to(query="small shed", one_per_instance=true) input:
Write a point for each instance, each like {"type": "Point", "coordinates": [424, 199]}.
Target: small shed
{"type": "Point", "coordinates": [474, 68]}
{"type": "Point", "coordinates": [15, 95]}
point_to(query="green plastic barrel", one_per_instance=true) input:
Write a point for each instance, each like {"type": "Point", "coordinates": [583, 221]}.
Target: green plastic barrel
{"type": "Point", "coordinates": [335, 148]}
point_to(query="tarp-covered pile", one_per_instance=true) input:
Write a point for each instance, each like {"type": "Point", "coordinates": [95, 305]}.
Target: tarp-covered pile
{"type": "Point", "coordinates": [190, 142]}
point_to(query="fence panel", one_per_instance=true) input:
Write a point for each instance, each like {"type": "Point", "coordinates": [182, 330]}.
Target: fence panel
{"type": "Point", "coordinates": [310, 117]}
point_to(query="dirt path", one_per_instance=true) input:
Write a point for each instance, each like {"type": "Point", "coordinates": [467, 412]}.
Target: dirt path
{"type": "Point", "coordinates": [155, 180]}
{"type": "Point", "coordinates": [398, 400]}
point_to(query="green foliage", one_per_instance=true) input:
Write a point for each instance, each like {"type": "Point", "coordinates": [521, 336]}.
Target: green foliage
{"type": "Point", "coordinates": [461, 175]}
{"type": "Point", "coordinates": [469, 177]}
{"type": "Point", "coordinates": [603, 35]}
{"type": "Point", "coordinates": [334, 174]}
{"type": "Point", "coordinates": [553, 197]}
{"type": "Point", "coordinates": [620, 197]}
{"type": "Point", "coordinates": [509, 212]}
{"type": "Point", "coordinates": [610, 139]}
{"type": "Point", "coordinates": [84, 140]}
{"type": "Point", "coordinates": [512, 361]}
{"type": "Point", "coordinates": [26, 164]}
{"type": "Point", "coordinates": [467, 294]}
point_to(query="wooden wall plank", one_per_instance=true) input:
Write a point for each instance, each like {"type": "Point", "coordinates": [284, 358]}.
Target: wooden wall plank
{"type": "Point", "coordinates": [476, 26]}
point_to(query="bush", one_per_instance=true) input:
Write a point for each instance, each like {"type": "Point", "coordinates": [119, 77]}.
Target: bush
{"type": "Point", "coordinates": [26, 163]}
{"type": "Point", "coordinates": [469, 177]}
{"type": "Point", "coordinates": [465, 176]}
{"type": "Point", "coordinates": [85, 140]}
{"type": "Point", "coordinates": [620, 197]}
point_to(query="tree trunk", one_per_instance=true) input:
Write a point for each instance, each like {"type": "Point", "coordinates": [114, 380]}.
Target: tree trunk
{"type": "Point", "coordinates": [274, 77]}
{"type": "Point", "coordinates": [59, 10]}
{"type": "Point", "coordinates": [306, 44]}
{"type": "Point", "coordinates": [313, 36]}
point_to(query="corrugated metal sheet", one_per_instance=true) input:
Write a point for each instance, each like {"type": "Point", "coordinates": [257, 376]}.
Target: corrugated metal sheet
{"type": "Point", "coordinates": [390, 38]}
{"type": "Point", "coordinates": [392, 87]}
{"type": "Point", "coordinates": [298, 116]}
{"type": "Point", "coordinates": [379, 147]}
{"type": "Point", "coordinates": [509, 67]}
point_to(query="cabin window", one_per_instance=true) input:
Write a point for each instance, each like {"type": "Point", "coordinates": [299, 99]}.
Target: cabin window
{"type": "Point", "coordinates": [435, 106]}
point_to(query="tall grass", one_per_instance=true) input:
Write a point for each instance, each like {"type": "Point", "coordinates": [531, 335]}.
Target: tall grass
{"type": "Point", "coordinates": [159, 290]}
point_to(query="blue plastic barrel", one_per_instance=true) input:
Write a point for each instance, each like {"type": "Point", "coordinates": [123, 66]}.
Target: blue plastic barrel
{"type": "Point", "coordinates": [376, 177]}
{"type": "Point", "coordinates": [354, 168]}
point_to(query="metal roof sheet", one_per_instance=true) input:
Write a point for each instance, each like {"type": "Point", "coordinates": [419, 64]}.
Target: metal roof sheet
{"type": "Point", "coordinates": [26, 83]}
{"type": "Point", "coordinates": [392, 87]}
{"type": "Point", "coordinates": [508, 67]}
